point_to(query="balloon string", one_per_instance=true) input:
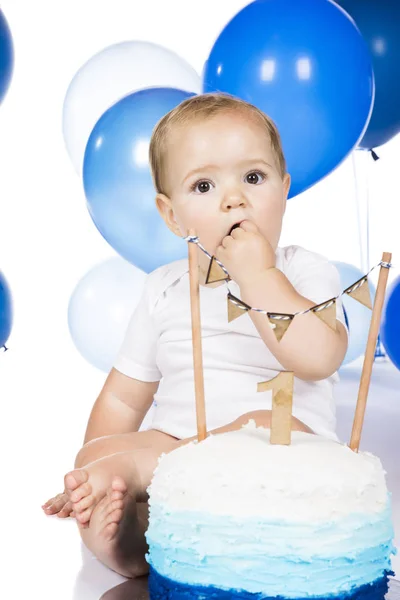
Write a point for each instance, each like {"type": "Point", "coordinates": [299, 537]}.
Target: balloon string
{"type": "Point", "coordinates": [367, 182]}
{"type": "Point", "coordinates": [379, 351]}
{"type": "Point", "coordinates": [358, 199]}
{"type": "Point", "coordinates": [4, 348]}
{"type": "Point", "coordinates": [363, 209]}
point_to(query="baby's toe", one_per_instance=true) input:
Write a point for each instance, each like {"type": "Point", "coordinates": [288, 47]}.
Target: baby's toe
{"type": "Point", "coordinates": [115, 495]}
{"type": "Point", "coordinates": [54, 505]}
{"type": "Point", "coordinates": [84, 516]}
{"type": "Point", "coordinates": [86, 502]}
{"type": "Point", "coordinates": [111, 507]}
{"type": "Point", "coordinates": [119, 485]}
{"type": "Point", "coordinates": [81, 492]}
{"type": "Point", "coordinates": [65, 511]}
{"type": "Point", "coordinates": [74, 479]}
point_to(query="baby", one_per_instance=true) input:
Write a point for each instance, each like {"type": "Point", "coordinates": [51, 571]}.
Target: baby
{"type": "Point", "coordinates": [216, 162]}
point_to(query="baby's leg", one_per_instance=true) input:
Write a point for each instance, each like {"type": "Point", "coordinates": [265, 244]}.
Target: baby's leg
{"type": "Point", "coordinates": [99, 448]}
{"type": "Point", "coordinates": [120, 442]}
{"type": "Point", "coordinates": [87, 485]}
{"type": "Point", "coordinates": [115, 532]}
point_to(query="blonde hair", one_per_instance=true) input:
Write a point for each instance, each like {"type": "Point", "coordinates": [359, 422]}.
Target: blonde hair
{"type": "Point", "coordinates": [199, 107]}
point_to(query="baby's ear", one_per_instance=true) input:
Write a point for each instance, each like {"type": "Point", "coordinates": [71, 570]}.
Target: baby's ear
{"type": "Point", "coordinates": [286, 184]}
{"type": "Point", "coordinates": [164, 206]}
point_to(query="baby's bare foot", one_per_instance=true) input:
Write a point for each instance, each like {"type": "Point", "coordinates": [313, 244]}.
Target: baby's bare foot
{"type": "Point", "coordinates": [85, 487]}
{"type": "Point", "coordinates": [112, 509]}
{"type": "Point", "coordinates": [120, 544]}
{"type": "Point", "coordinates": [79, 489]}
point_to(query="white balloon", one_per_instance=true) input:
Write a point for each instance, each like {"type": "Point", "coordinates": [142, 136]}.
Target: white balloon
{"type": "Point", "coordinates": [100, 308]}
{"type": "Point", "coordinates": [110, 75]}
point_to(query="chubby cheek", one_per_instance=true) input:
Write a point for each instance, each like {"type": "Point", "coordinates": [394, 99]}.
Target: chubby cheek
{"type": "Point", "coordinates": [271, 226]}
{"type": "Point", "coordinates": [204, 222]}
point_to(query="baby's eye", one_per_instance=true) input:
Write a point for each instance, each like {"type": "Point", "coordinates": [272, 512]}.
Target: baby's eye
{"type": "Point", "coordinates": [253, 177]}
{"type": "Point", "coordinates": [202, 186]}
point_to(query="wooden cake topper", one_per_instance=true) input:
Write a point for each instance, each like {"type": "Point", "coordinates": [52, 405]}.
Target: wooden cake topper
{"type": "Point", "coordinates": [215, 272]}
{"type": "Point", "coordinates": [326, 311]}
{"type": "Point", "coordinates": [370, 351]}
{"type": "Point", "coordinates": [282, 384]}
{"type": "Point", "coordinates": [279, 323]}
{"type": "Point", "coordinates": [360, 291]}
{"type": "Point", "coordinates": [282, 403]}
{"type": "Point", "coordinates": [236, 307]}
{"type": "Point", "coordinates": [196, 340]}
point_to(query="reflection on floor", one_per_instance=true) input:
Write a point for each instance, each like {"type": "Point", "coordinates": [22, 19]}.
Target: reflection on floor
{"type": "Point", "coordinates": [84, 578]}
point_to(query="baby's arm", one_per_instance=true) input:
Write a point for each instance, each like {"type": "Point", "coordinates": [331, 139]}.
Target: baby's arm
{"type": "Point", "coordinates": [309, 348]}
{"type": "Point", "coordinates": [121, 406]}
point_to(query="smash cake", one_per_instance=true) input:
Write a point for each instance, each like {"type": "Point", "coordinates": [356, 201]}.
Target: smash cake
{"type": "Point", "coordinates": [235, 516]}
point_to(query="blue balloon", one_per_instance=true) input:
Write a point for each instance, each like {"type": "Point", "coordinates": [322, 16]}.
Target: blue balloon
{"type": "Point", "coordinates": [306, 65]}
{"type": "Point", "coordinates": [379, 23]}
{"type": "Point", "coordinates": [6, 56]}
{"type": "Point", "coordinates": [117, 179]}
{"type": "Point", "coordinates": [390, 327]}
{"type": "Point", "coordinates": [100, 308]}
{"type": "Point", "coordinates": [6, 310]}
{"type": "Point", "coordinates": [358, 316]}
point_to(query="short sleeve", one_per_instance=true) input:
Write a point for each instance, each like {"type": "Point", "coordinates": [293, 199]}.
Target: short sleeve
{"type": "Point", "coordinates": [316, 278]}
{"type": "Point", "coordinates": [137, 355]}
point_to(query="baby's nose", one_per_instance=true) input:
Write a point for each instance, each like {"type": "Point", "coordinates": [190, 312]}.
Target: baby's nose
{"type": "Point", "coordinates": [234, 200]}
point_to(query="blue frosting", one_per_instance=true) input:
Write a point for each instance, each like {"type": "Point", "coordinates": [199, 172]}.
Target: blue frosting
{"type": "Point", "coordinates": [162, 588]}
{"type": "Point", "coordinates": [267, 559]}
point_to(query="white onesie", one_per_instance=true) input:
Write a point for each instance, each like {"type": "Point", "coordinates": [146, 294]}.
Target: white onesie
{"type": "Point", "coordinates": [158, 347]}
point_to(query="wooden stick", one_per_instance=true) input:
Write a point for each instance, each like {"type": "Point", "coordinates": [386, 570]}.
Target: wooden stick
{"type": "Point", "coordinates": [196, 340]}
{"type": "Point", "coordinates": [370, 354]}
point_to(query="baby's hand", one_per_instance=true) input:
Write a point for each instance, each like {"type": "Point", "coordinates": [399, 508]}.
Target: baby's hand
{"type": "Point", "coordinates": [246, 253]}
{"type": "Point", "coordinates": [60, 505]}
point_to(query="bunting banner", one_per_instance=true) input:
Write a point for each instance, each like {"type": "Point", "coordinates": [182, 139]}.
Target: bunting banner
{"type": "Point", "coordinates": [215, 272]}
{"type": "Point", "coordinates": [280, 322]}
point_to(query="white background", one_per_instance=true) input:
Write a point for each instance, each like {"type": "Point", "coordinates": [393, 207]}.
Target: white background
{"type": "Point", "coordinates": [48, 242]}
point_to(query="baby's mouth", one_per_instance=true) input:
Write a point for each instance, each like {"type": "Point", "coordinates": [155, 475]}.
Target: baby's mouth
{"type": "Point", "coordinates": [235, 226]}
{"type": "Point", "coordinates": [232, 227]}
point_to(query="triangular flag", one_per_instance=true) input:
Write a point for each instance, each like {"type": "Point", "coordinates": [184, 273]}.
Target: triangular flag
{"type": "Point", "coordinates": [326, 311]}
{"type": "Point", "coordinates": [215, 272]}
{"type": "Point", "coordinates": [360, 291]}
{"type": "Point", "coordinates": [280, 322]}
{"type": "Point", "coordinates": [234, 311]}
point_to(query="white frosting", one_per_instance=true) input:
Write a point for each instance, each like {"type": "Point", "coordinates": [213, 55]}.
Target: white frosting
{"type": "Point", "coordinates": [240, 473]}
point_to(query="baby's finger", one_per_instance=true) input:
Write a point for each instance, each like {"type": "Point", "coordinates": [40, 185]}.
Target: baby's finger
{"type": "Point", "coordinates": [227, 241]}
{"type": "Point", "coordinates": [249, 226]}
{"type": "Point", "coordinates": [238, 233]}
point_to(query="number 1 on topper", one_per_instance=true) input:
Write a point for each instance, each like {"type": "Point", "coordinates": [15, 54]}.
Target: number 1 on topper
{"type": "Point", "coordinates": [282, 403]}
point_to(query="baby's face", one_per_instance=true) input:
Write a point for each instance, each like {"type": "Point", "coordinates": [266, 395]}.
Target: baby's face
{"type": "Point", "coordinates": [219, 172]}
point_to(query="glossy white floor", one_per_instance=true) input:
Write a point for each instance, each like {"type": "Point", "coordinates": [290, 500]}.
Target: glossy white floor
{"type": "Point", "coordinates": [44, 556]}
